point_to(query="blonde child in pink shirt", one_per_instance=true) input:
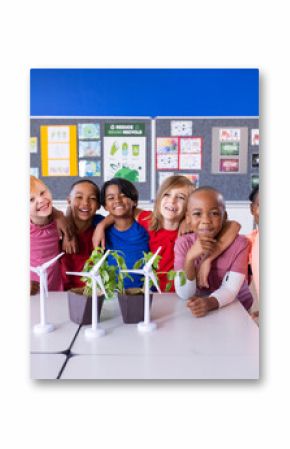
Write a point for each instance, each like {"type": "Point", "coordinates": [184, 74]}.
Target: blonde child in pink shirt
{"type": "Point", "coordinates": [44, 236]}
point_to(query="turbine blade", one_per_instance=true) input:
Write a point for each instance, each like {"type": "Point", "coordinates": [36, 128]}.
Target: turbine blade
{"type": "Point", "coordinates": [154, 280]}
{"type": "Point", "coordinates": [97, 266]}
{"type": "Point", "coordinates": [150, 261]}
{"type": "Point", "coordinates": [35, 270]}
{"type": "Point", "coordinates": [50, 262]}
{"type": "Point", "coordinates": [84, 273]}
{"type": "Point", "coordinates": [101, 285]}
{"type": "Point", "coordinates": [132, 271]}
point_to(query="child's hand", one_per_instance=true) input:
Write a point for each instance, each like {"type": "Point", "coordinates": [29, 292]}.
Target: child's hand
{"type": "Point", "coordinates": [99, 237]}
{"type": "Point", "coordinates": [201, 306]}
{"type": "Point", "coordinates": [34, 287]}
{"type": "Point", "coordinates": [70, 244]}
{"type": "Point", "coordinates": [202, 274]}
{"type": "Point", "coordinates": [202, 246]}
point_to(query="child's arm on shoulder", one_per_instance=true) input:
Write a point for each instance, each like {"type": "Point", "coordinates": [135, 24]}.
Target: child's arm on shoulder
{"type": "Point", "coordinates": [223, 241]}
{"type": "Point", "coordinates": [66, 228]}
{"type": "Point", "coordinates": [100, 231]}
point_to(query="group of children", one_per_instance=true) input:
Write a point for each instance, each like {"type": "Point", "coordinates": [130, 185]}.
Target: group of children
{"type": "Point", "coordinates": [189, 224]}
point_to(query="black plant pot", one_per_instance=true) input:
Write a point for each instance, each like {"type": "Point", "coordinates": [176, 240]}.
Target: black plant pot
{"type": "Point", "coordinates": [80, 307]}
{"type": "Point", "coordinates": [132, 307]}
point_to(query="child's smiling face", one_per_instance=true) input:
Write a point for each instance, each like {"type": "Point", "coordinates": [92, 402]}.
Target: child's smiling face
{"type": "Point", "coordinates": [83, 201]}
{"type": "Point", "coordinates": [206, 213]}
{"type": "Point", "coordinates": [40, 203]}
{"type": "Point", "coordinates": [173, 204]}
{"type": "Point", "coordinates": [117, 203]}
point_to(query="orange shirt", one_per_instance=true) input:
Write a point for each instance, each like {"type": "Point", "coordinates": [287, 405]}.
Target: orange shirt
{"type": "Point", "coordinates": [254, 257]}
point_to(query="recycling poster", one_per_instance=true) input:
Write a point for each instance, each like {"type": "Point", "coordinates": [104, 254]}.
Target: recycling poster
{"type": "Point", "coordinates": [125, 151]}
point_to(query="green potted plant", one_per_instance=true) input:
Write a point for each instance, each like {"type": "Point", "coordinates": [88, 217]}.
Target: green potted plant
{"type": "Point", "coordinates": [172, 275]}
{"type": "Point", "coordinates": [80, 299]}
{"type": "Point", "coordinates": [131, 300]}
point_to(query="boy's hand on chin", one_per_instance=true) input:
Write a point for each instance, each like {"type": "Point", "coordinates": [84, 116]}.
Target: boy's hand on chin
{"type": "Point", "coordinates": [202, 246]}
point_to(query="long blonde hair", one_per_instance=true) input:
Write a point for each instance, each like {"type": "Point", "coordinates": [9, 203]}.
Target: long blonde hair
{"type": "Point", "coordinates": [169, 183]}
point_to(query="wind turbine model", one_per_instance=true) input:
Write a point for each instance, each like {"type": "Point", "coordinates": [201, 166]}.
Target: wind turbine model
{"type": "Point", "coordinates": [147, 325]}
{"type": "Point", "coordinates": [43, 327]}
{"type": "Point", "coordinates": [95, 330]}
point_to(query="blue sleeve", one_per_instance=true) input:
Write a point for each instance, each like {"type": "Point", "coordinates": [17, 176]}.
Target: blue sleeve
{"type": "Point", "coordinates": [96, 219]}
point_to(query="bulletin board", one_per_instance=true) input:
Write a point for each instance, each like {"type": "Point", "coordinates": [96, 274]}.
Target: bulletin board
{"type": "Point", "coordinates": [146, 124]}
{"type": "Point", "coordinates": [218, 152]}
{"type": "Point", "coordinates": [64, 150]}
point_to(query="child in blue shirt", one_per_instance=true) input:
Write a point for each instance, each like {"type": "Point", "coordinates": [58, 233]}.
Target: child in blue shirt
{"type": "Point", "coordinates": [120, 197]}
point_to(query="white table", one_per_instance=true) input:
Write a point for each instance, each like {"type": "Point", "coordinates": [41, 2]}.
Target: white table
{"type": "Point", "coordinates": [222, 345]}
{"type": "Point", "coordinates": [46, 366]}
{"type": "Point", "coordinates": [57, 313]}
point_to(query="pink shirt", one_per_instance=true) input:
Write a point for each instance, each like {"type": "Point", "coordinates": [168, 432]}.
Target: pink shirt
{"type": "Point", "coordinates": [234, 258]}
{"type": "Point", "coordinates": [44, 245]}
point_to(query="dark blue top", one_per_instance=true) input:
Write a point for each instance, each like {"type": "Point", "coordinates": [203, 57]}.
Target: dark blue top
{"type": "Point", "coordinates": [132, 242]}
{"type": "Point", "coordinates": [96, 219]}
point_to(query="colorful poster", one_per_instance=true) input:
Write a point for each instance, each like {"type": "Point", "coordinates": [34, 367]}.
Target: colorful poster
{"type": "Point", "coordinates": [193, 177]}
{"type": "Point", "coordinates": [89, 168]}
{"type": "Point", "coordinates": [230, 135]}
{"type": "Point", "coordinates": [230, 149]}
{"type": "Point", "coordinates": [179, 153]}
{"type": "Point", "coordinates": [89, 130]}
{"type": "Point", "coordinates": [229, 165]}
{"type": "Point", "coordinates": [255, 137]}
{"type": "Point", "coordinates": [125, 152]}
{"type": "Point", "coordinates": [167, 153]}
{"type": "Point", "coordinates": [190, 153]}
{"type": "Point", "coordinates": [181, 128]}
{"type": "Point", "coordinates": [33, 144]}
{"type": "Point", "coordinates": [89, 148]}
{"type": "Point", "coordinates": [167, 161]}
{"type": "Point", "coordinates": [58, 150]}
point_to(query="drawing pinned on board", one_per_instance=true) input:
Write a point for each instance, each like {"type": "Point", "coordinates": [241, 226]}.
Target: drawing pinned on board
{"type": "Point", "coordinates": [89, 130]}
{"type": "Point", "coordinates": [89, 168]}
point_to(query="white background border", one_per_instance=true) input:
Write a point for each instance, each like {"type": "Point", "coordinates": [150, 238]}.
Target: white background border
{"type": "Point", "coordinates": [122, 34]}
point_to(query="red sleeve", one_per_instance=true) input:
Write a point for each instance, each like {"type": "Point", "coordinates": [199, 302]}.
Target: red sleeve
{"type": "Point", "coordinates": [144, 218]}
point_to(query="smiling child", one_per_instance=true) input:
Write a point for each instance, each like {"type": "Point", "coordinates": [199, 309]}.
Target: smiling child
{"type": "Point", "coordinates": [84, 201]}
{"type": "Point", "coordinates": [120, 197]}
{"type": "Point", "coordinates": [44, 236]}
{"type": "Point", "coordinates": [207, 215]}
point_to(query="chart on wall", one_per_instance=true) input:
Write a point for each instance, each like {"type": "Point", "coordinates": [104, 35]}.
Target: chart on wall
{"type": "Point", "coordinates": [58, 150]}
{"type": "Point", "coordinates": [125, 151]}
